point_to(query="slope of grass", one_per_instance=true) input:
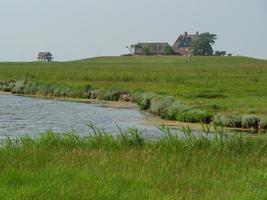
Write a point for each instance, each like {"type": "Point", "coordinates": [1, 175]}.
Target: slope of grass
{"type": "Point", "coordinates": [231, 83]}
{"type": "Point", "coordinates": [129, 167]}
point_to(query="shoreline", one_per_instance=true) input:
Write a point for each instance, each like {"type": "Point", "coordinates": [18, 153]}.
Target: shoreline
{"type": "Point", "coordinates": [151, 119]}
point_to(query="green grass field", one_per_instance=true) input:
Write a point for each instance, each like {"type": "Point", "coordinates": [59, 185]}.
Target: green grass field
{"type": "Point", "coordinates": [231, 83]}
{"type": "Point", "coordinates": [104, 167]}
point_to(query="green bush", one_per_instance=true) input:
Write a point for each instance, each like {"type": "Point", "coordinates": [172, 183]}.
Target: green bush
{"type": "Point", "coordinates": [63, 92]}
{"type": "Point", "coordinates": [11, 85]}
{"type": "Point", "coordinates": [159, 105]}
{"type": "Point", "coordinates": [250, 121]}
{"type": "Point", "coordinates": [32, 87]}
{"type": "Point", "coordinates": [194, 116]}
{"type": "Point", "coordinates": [137, 96]}
{"type": "Point", "coordinates": [1, 85]}
{"type": "Point", "coordinates": [173, 109]}
{"type": "Point", "coordinates": [144, 100]}
{"type": "Point", "coordinates": [94, 93]}
{"type": "Point", "coordinates": [58, 92]}
{"type": "Point", "coordinates": [41, 89]}
{"type": "Point", "coordinates": [7, 86]}
{"type": "Point", "coordinates": [19, 87]}
{"type": "Point", "coordinates": [87, 88]}
{"type": "Point", "coordinates": [110, 94]}
{"type": "Point", "coordinates": [232, 121]}
{"type": "Point", "coordinates": [76, 93]}
{"type": "Point", "coordinates": [263, 124]}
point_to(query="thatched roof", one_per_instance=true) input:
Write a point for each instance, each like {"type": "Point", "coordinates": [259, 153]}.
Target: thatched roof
{"type": "Point", "coordinates": [153, 48]}
{"type": "Point", "coordinates": [184, 42]}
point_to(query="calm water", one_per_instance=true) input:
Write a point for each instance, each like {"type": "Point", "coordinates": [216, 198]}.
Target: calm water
{"type": "Point", "coordinates": [24, 115]}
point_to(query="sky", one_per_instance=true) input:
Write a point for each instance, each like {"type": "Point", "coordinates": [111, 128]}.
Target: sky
{"type": "Point", "coordinates": [76, 29]}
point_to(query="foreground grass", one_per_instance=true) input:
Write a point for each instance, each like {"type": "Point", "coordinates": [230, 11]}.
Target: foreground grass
{"type": "Point", "coordinates": [129, 167]}
{"type": "Point", "coordinates": [231, 84]}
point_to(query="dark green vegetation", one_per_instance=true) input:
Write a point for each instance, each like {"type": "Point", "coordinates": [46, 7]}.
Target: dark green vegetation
{"type": "Point", "coordinates": [202, 45]}
{"type": "Point", "coordinates": [129, 167]}
{"type": "Point", "coordinates": [235, 87]}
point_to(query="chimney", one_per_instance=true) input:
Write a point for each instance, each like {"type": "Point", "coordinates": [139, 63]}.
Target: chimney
{"type": "Point", "coordinates": [197, 33]}
{"type": "Point", "coordinates": [185, 33]}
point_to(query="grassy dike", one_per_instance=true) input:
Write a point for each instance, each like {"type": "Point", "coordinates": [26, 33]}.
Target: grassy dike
{"type": "Point", "coordinates": [100, 166]}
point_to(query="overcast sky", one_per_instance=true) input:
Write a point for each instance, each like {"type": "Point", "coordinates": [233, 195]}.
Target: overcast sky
{"type": "Point", "coordinates": [74, 29]}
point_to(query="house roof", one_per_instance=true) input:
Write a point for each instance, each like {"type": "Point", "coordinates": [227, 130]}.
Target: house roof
{"type": "Point", "coordinates": [45, 54]}
{"type": "Point", "coordinates": [154, 48]}
{"type": "Point", "coordinates": [184, 41]}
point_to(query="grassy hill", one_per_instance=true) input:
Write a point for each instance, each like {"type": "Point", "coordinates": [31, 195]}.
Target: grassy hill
{"type": "Point", "coordinates": [230, 83]}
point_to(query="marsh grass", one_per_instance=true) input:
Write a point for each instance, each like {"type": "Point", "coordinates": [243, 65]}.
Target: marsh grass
{"type": "Point", "coordinates": [128, 166]}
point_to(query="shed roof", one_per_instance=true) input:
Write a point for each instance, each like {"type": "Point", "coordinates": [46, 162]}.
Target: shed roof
{"type": "Point", "coordinates": [44, 54]}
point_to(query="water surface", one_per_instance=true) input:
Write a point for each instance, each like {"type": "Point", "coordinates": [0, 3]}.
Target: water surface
{"type": "Point", "coordinates": [32, 116]}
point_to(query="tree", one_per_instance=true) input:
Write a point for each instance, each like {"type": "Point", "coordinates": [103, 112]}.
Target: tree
{"type": "Point", "coordinates": [147, 51]}
{"type": "Point", "coordinates": [169, 50]}
{"type": "Point", "coordinates": [131, 48]}
{"type": "Point", "coordinates": [220, 53]}
{"type": "Point", "coordinates": [203, 44]}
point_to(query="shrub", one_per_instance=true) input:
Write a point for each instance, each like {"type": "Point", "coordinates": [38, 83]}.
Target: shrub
{"type": "Point", "coordinates": [250, 121]}
{"type": "Point", "coordinates": [263, 124]}
{"type": "Point", "coordinates": [87, 88]}
{"type": "Point", "coordinates": [218, 120]}
{"type": "Point", "coordinates": [233, 121]}
{"type": "Point", "coordinates": [58, 92]}
{"type": "Point", "coordinates": [11, 85]}
{"type": "Point", "coordinates": [137, 96]}
{"type": "Point", "coordinates": [31, 87]}
{"type": "Point", "coordinates": [110, 94]}
{"type": "Point", "coordinates": [1, 85]}
{"type": "Point", "coordinates": [19, 87]}
{"type": "Point", "coordinates": [65, 92]}
{"type": "Point", "coordinates": [195, 115]}
{"type": "Point", "coordinates": [95, 93]}
{"type": "Point", "coordinates": [43, 89]}
{"type": "Point", "coordinates": [159, 105]}
{"type": "Point", "coordinates": [7, 86]}
{"type": "Point", "coordinates": [144, 100]}
{"type": "Point", "coordinates": [173, 109]}
{"type": "Point", "coordinates": [76, 93]}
